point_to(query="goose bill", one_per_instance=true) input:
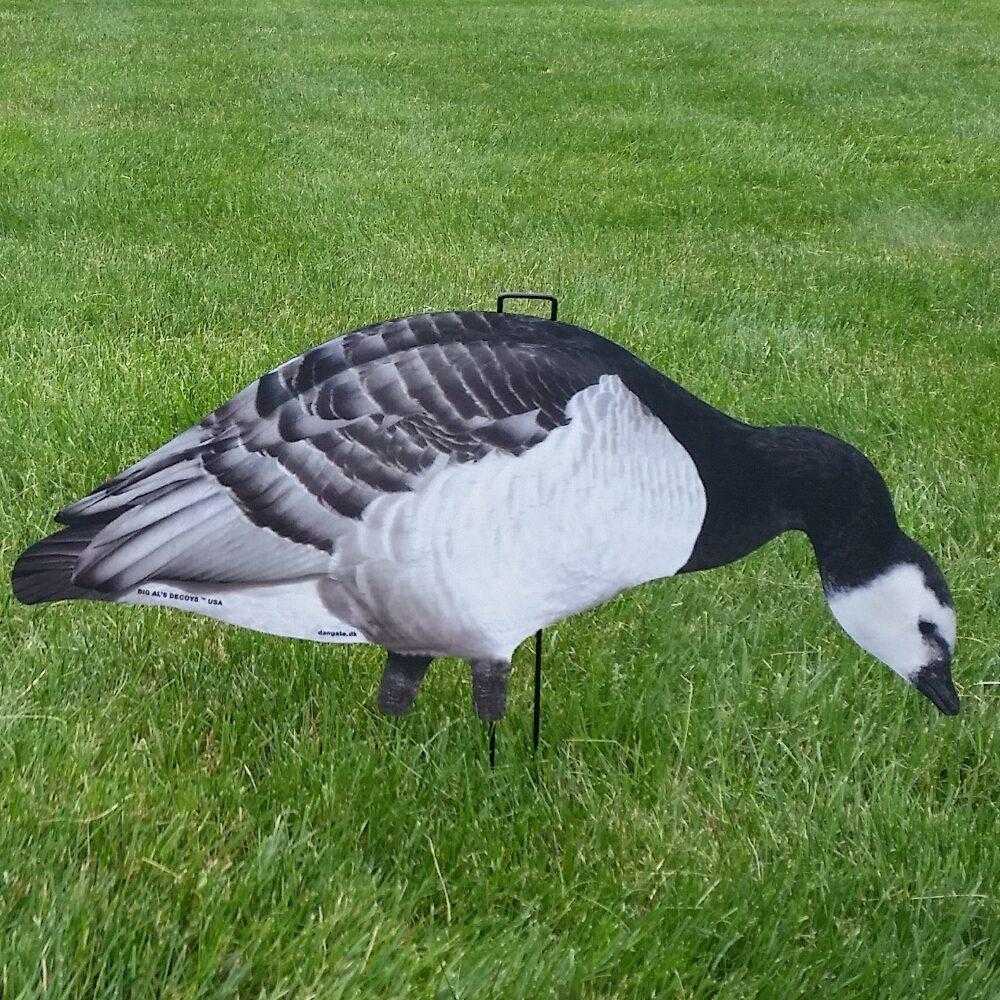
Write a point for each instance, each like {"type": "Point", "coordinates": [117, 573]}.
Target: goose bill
{"type": "Point", "coordinates": [935, 683]}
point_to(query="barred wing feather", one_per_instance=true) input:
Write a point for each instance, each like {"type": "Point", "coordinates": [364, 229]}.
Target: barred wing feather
{"type": "Point", "coordinates": [259, 490]}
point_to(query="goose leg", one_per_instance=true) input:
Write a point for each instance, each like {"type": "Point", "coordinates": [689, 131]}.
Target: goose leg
{"type": "Point", "coordinates": [489, 688]}
{"type": "Point", "coordinates": [400, 682]}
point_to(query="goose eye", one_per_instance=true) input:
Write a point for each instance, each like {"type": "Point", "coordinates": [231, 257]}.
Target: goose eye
{"type": "Point", "coordinates": [926, 627]}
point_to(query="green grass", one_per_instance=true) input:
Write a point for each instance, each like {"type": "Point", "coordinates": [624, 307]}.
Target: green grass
{"type": "Point", "coordinates": [791, 209]}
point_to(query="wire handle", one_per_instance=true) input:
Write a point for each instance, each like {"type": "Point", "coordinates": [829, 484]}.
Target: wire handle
{"type": "Point", "coordinates": [532, 297]}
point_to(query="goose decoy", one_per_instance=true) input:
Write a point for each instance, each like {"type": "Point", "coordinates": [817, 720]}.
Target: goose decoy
{"type": "Point", "coordinates": [448, 483]}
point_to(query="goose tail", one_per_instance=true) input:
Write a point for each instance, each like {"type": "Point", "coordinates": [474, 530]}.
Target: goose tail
{"type": "Point", "coordinates": [44, 572]}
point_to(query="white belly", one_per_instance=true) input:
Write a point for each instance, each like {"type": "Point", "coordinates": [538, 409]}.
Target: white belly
{"type": "Point", "coordinates": [482, 554]}
{"type": "Point", "coordinates": [488, 552]}
{"type": "Point", "coordinates": [295, 608]}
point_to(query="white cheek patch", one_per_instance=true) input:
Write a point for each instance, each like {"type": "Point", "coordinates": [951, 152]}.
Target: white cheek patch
{"type": "Point", "coordinates": [947, 625]}
{"type": "Point", "coordinates": [882, 617]}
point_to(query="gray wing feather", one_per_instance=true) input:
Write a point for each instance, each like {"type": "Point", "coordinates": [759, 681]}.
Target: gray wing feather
{"type": "Point", "coordinates": [261, 488]}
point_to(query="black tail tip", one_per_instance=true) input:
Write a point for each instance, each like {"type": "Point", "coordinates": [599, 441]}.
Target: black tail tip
{"type": "Point", "coordinates": [44, 572]}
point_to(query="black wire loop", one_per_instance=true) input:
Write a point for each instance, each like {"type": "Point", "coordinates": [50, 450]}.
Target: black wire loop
{"type": "Point", "coordinates": [531, 297]}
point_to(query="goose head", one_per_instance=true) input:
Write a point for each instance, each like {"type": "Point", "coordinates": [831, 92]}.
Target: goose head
{"type": "Point", "coordinates": [904, 616]}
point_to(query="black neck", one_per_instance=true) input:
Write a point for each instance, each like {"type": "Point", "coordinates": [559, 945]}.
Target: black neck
{"type": "Point", "coordinates": [777, 479]}
{"type": "Point", "coordinates": [762, 481]}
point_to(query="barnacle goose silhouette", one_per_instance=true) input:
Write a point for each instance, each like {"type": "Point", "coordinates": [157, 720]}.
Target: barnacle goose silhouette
{"type": "Point", "coordinates": [445, 484]}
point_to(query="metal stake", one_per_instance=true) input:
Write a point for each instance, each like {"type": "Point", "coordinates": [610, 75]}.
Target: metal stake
{"type": "Point", "coordinates": [536, 720]}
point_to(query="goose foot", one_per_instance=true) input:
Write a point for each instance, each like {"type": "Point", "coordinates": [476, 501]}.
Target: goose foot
{"type": "Point", "coordinates": [400, 682]}
{"type": "Point", "coordinates": [489, 688]}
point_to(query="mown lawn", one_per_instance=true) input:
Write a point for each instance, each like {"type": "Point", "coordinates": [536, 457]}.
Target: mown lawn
{"type": "Point", "coordinates": [791, 209]}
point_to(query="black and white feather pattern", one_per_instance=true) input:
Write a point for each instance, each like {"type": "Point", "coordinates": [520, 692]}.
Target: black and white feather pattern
{"type": "Point", "coordinates": [269, 478]}
{"type": "Point", "coordinates": [446, 484]}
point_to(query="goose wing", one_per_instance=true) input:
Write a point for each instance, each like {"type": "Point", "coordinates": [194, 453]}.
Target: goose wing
{"type": "Point", "coordinates": [259, 490]}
